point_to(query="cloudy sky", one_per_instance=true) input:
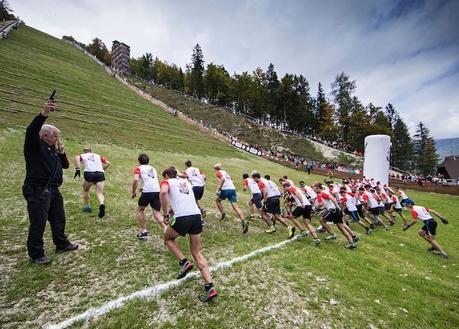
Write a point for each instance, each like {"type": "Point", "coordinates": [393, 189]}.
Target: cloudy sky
{"type": "Point", "coordinates": [405, 52]}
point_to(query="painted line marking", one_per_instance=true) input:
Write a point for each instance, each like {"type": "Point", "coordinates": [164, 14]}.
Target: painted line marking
{"type": "Point", "coordinates": [155, 291]}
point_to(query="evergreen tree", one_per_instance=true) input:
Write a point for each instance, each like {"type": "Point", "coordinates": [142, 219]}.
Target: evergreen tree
{"type": "Point", "coordinates": [342, 89]}
{"type": "Point", "coordinates": [425, 151]}
{"type": "Point", "coordinates": [320, 99]}
{"type": "Point", "coordinates": [272, 100]}
{"type": "Point", "coordinates": [197, 72]}
{"type": "Point", "coordinates": [217, 84]}
{"type": "Point", "coordinates": [5, 11]}
{"type": "Point", "coordinates": [402, 146]}
{"type": "Point", "coordinates": [391, 115]}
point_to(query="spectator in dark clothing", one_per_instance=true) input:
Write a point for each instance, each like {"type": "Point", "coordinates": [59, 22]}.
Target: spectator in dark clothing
{"type": "Point", "coordinates": [45, 158]}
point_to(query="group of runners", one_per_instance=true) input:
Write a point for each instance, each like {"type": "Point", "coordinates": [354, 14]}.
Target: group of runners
{"type": "Point", "coordinates": [175, 199]}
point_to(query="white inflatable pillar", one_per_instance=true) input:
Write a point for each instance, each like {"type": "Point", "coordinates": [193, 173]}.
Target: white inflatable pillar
{"type": "Point", "coordinates": [377, 157]}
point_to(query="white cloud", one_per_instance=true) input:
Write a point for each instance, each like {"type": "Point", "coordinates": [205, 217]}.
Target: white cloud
{"type": "Point", "coordinates": [396, 50]}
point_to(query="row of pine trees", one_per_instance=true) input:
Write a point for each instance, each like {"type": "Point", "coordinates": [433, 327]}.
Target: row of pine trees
{"type": "Point", "coordinates": [289, 103]}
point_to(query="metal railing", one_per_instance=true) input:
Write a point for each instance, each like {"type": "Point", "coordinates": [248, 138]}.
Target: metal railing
{"type": "Point", "coordinates": [8, 27]}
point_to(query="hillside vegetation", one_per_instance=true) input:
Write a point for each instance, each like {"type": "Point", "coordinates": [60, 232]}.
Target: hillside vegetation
{"type": "Point", "coordinates": [389, 281]}
{"type": "Point", "coordinates": [237, 125]}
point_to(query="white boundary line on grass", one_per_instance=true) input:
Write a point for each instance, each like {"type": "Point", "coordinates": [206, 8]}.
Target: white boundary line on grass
{"type": "Point", "coordinates": [158, 289]}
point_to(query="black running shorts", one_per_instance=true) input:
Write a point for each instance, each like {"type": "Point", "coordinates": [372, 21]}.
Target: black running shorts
{"type": "Point", "coordinates": [198, 192]}
{"type": "Point", "coordinates": [256, 200]}
{"type": "Point", "coordinates": [333, 216]}
{"type": "Point", "coordinates": [187, 224]}
{"type": "Point", "coordinates": [150, 198]}
{"type": "Point", "coordinates": [94, 177]}
{"type": "Point", "coordinates": [387, 206]}
{"type": "Point", "coordinates": [375, 211]}
{"type": "Point", "coordinates": [272, 206]}
{"type": "Point", "coordinates": [360, 210]}
{"type": "Point", "coordinates": [430, 226]}
{"type": "Point", "coordinates": [300, 211]}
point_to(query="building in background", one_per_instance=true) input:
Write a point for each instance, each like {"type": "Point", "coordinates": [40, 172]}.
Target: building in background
{"type": "Point", "coordinates": [120, 57]}
{"type": "Point", "coordinates": [449, 168]}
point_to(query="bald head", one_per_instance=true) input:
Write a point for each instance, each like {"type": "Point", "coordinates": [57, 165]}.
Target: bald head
{"type": "Point", "coordinates": [49, 134]}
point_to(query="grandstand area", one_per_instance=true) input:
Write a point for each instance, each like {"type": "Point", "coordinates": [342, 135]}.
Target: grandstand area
{"type": "Point", "coordinates": [389, 281]}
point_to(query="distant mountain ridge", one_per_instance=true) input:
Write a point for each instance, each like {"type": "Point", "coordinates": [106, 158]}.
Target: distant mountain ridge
{"type": "Point", "coordinates": [446, 145]}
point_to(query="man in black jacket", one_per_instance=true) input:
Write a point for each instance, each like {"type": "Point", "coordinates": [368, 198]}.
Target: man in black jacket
{"type": "Point", "coordinates": [45, 158]}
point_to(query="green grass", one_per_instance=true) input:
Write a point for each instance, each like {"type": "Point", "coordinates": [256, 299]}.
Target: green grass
{"type": "Point", "coordinates": [390, 281]}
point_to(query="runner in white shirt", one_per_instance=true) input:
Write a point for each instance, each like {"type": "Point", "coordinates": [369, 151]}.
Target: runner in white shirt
{"type": "Point", "coordinates": [397, 207]}
{"type": "Point", "coordinates": [372, 204]}
{"type": "Point", "coordinates": [198, 181]}
{"type": "Point", "coordinates": [348, 201]}
{"type": "Point", "coordinates": [249, 183]}
{"type": "Point", "coordinates": [226, 190]}
{"type": "Point", "coordinates": [271, 199]}
{"type": "Point", "coordinates": [94, 168]}
{"type": "Point", "coordinates": [303, 208]}
{"type": "Point", "coordinates": [406, 201]}
{"type": "Point", "coordinates": [150, 194]}
{"type": "Point", "coordinates": [429, 229]}
{"type": "Point", "coordinates": [333, 214]}
{"type": "Point", "coordinates": [385, 204]}
{"type": "Point", "coordinates": [187, 220]}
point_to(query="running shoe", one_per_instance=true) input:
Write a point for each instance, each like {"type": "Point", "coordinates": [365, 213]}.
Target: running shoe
{"type": "Point", "coordinates": [270, 230]}
{"type": "Point", "coordinates": [245, 226]}
{"type": "Point", "coordinates": [392, 223]}
{"type": "Point", "coordinates": [87, 208]}
{"type": "Point", "coordinates": [369, 231]}
{"type": "Point", "coordinates": [350, 246]}
{"type": "Point", "coordinates": [330, 237]}
{"type": "Point", "coordinates": [185, 269]}
{"type": "Point", "coordinates": [304, 234]}
{"type": "Point", "coordinates": [210, 294]}
{"type": "Point", "coordinates": [203, 222]}
{"type": "Point", "coordinates": [101, 211]}
{"type": "Point", "coordinates": [431, 249]}
{"type": "Point", "coordinates": [203, 213]}
{"type": "Point", "coordinates": [443, 255]}
{"type": "Point", "coordinates": [355, 238]}
{"type": "Point", "coordinates": [316, 242]}
{"type": "Point", "coordinates": [320, 229]}
{"type": "Point", "coordinates": [142, 236]}
{"type": "Point", "coordinates": [223, 217]}
{"type": "Point", "coordinates": [291, 232]}
{"type": "Point", "coordinates": [386, 228]}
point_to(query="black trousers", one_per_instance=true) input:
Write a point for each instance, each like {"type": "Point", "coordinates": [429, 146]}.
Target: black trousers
{"type": "Point", "coordinates": [43, 206]}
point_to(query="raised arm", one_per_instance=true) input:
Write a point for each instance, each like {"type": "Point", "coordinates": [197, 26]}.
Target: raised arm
{"type": "Point", "coordinates": [32, 137]}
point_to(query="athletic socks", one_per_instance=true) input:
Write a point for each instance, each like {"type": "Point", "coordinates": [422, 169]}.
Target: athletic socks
{"type": "Point", "coordinates": [183, 261]}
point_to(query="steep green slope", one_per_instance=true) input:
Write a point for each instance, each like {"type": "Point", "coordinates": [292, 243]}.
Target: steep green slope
{"type": "Point", "coordinates": [390, 281]}
{"type": "Point", "coordinates": [93, 106]}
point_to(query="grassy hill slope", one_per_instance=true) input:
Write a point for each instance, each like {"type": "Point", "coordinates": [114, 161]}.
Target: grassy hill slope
{"type": "Point", "coordinates": [237, 125]}
{"type": "Point", "coordinates": [389, 281]}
